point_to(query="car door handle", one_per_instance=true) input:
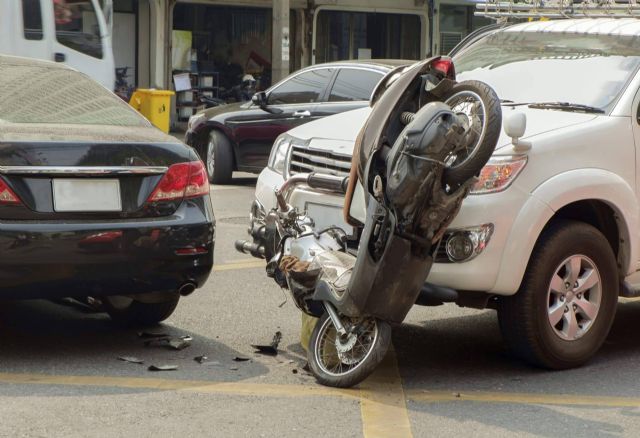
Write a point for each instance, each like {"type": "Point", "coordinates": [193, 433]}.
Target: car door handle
{"type": "Point", "coordinates": [59, 57]}
{"type": "Point", "coordinates": [302, 113]}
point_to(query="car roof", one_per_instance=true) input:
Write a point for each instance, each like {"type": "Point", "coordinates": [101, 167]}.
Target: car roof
{"type": "Point", "coordinates": [593, 26]}
{"type": "Point", "coordinates": [382, 64]}
{"type": "Point", "coordinates": [31, 62]}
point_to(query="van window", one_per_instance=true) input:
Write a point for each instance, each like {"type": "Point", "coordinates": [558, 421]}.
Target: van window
{"type": "Point", "coordinates": [34, 92]}
{"type": "Point", "coordinates": [77, 26]}
{"type": "Point", "coordinates": [32, 19]}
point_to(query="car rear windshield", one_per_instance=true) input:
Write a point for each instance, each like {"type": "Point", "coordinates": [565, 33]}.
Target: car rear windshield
{"type": "Point", "coordinates": [534, 67]}
{"type": "Point", "coordinates": [39, 94]}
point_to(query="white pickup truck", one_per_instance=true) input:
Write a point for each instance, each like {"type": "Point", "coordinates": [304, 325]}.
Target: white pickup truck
{"type": "Point", "coordinates": [549, 235]}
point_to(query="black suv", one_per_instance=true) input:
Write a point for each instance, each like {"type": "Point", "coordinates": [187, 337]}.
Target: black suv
{"type": "Point", "coordinates": [239, 136]}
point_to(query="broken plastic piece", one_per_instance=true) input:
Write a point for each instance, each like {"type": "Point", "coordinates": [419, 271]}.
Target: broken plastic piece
{"type": "Point", "coordinates": [271, 349]}
{"type": "Point", "coordinates": [131, 359]}
{"type": "Point", "coordinates": [174, 343]}
{"type": "Point", "coordinates": [163, 367]}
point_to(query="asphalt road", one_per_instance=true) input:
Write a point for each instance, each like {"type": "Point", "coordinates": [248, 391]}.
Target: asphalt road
{"type": "Point", "coordinates": [448, 374]}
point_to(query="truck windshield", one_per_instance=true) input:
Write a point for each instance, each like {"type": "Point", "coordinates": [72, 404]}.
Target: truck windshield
{"type": "Point", "coordinates": [523, 67]}
{"type": "Point", "coordinates": [35, 93]}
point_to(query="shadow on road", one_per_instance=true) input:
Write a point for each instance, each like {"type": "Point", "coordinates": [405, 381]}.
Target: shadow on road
{"type": "Point", "coordinates": [46, 338]}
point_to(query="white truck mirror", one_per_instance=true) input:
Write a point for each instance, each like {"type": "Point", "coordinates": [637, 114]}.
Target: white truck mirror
{"type": "Point", "coordinates": [515, 126]}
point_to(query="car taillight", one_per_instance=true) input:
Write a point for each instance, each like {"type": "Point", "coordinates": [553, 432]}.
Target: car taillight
{"type": "Point", "coordinates": [7, 196]}
{"type": "Point", "coordinates": [444, 66]}
{"type": "Point", "coordinates": [182, 180]}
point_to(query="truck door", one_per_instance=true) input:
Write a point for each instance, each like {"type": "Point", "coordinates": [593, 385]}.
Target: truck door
{"type": "Point", "coordinates": [30, 37]}
{"type": "Point", "coordinates": [81, 38]}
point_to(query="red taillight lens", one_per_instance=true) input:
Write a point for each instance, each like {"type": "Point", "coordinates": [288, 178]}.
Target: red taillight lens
{"type": "Point", "coordinates": [7, 196]}
{"type": "Point", "coordinates": [444, 66]}
{"type": "Point", "coordinates": [182, 180]}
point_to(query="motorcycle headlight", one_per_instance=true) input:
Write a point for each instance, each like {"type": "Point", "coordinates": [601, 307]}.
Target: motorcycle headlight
{"type": "Point", "coordinates": [194, 120]}
{"type": "Point", "coordinates": [498, 174]}
{"type": "Point", "coordinates": [279, 153]}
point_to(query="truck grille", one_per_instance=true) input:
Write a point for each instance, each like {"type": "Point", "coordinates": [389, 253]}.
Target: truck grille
{"type": "Point", "coordinates": [304, 160]}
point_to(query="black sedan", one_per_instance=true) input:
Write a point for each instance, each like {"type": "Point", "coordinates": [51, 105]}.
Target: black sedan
{"type": "Point", "coordinates": [94, 201]}
{"type": "Point", "coordinates": [239, 136]}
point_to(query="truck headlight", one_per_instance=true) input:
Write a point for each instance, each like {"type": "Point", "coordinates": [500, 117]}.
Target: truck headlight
{"type": "Point", "coordinates": [465, 244]}
{"type": "Point", "coordinates": [498, 174]}
{"type": "Point", "coordinates": [279, 153]}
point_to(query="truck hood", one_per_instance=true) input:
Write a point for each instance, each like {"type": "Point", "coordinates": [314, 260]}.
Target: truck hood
{"type": "Point", "coordinates": [540, 121]}
{"type": "Point", "coordinates": [338, 133]}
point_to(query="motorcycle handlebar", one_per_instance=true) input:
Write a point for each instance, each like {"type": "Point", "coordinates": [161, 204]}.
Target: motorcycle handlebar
{"type": "Point", "coordinates": [317, 181]}
{"type": "Point", "coordinates": [328, 182]}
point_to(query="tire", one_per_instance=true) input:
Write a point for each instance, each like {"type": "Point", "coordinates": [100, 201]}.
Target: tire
{"type": "Point", "coordinates": [219, 158]}
{"type": "Point", "coordinates": [129, 312]}
{"type": "Point", "coordinates": [472, 159]}
{"type": "Point", "coordinates": [359, 370]}
{"type": "Point", "coordinates": [526, 318]}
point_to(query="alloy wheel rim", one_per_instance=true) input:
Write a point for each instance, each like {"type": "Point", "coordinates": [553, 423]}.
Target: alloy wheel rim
{"type": "Point", "coordinates": [337, 361]}
{"type": "Point", "coordinates": [210, 158]}
{"type": "Point", "coordinates": [574, 297]}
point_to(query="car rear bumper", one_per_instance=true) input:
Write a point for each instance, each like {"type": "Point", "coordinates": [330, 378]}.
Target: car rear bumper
{"type": "Point", "coordinates": [47, 259]}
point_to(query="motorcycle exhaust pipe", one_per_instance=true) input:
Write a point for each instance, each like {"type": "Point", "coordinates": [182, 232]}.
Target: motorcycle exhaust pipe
{"type": "Point", "coordinates": [246, 247]}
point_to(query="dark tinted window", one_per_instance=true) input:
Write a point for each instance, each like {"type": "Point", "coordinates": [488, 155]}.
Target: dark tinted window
{"type": "Point", "coordinates": [77, 26]}
{"type": "Point", "coordinates": [36, 94]}
{"type": "Point", "coordinates": [354, 84]}
{"type": "Point", "coordinates": [32, 19]}
{"type": "Point", "coordinates": [303, 88]}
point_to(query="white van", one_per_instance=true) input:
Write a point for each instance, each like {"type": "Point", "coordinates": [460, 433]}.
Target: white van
{"type": "Point", "coordinates": [74, 32]}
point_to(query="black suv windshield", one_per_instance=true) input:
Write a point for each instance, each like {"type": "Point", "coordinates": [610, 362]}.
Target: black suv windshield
{"type": "Point", "coordinates": [581, 69]}
{"type": "Point", "coordinates": [35, 93]}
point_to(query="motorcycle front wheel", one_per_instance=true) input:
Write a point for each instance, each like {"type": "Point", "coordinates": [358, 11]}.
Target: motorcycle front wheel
{"type": "Point", "coordinates": [345, 361]}
{"type": "Point", "coordinates": [481, 105]}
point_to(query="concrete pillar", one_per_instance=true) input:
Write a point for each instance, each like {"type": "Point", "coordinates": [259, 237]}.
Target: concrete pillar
{"type": "Point", "coordinates": [281, 40]}
{"type": "Point", "coordinates": [158, 37]}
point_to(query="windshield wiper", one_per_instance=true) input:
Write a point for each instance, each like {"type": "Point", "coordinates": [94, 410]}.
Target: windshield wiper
{"type": "Point", "coordinates": [566, 106]}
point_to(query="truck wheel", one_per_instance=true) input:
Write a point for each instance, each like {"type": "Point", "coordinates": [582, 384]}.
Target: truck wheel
{"type": "Point", "coordinates": [566, 303]}
{"type": "Point", "coordinates": [219, 159]}
{"type": "Point", "coordinates": [129, 312]}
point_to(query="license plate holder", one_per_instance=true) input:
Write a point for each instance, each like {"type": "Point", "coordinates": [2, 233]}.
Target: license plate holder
{"type": "Point", "coordinates": [86, 195]}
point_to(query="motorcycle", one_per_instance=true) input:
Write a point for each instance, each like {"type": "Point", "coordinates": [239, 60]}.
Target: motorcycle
{"type": "Point", "coordinates": [415, 160]}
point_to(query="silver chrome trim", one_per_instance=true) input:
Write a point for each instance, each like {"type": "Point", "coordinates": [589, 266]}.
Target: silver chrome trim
{"type": "Point", "coordinates": [82, 170]}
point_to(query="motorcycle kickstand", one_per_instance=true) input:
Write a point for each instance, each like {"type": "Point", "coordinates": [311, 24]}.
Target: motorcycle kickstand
{"type": "Point", "coordinates": [335, 319]}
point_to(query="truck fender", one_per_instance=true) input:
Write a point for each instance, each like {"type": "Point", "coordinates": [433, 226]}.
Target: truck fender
{"type": "Point", "coordinates": [549, 197]}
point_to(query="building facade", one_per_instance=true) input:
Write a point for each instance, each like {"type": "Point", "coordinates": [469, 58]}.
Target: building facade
{"type": "Point", "coordinates": [236, 37]}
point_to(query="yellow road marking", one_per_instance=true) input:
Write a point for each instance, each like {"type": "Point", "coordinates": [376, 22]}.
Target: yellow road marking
{"type": "Point", "coordinates": [200, 386]}
{"type": "Point", "coordinates": [523, 398]}
{"type": "Point", "coordinates": [244, 264]}
{"type": "Point", "coordinates": [382, 402]}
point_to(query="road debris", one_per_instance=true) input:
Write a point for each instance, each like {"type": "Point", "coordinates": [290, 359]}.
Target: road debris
{"type": "Point", "coordinates": [131, 359]}
{"type": "Point", "coordinates": [234, 368]}
{"type": "Point", "coordinates": [200, 359]}
{"type": "Point", "coordinates": [271, 349]}
{"type": "Point", "coordinates": [163, 367]}
{"type": "Point", "coordinates": [173, 343]}
{"type": "Point", "coordinates": [240, 359]}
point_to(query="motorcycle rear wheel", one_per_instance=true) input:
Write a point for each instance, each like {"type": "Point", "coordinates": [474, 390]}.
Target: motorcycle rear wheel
{"type": "Point", "coordinates": [481, 105]}
{"type": "Point", "coordinates": [343, 362]}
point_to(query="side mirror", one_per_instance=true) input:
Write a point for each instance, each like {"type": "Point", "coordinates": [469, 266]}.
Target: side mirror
{"type": "Point", "coordinates": [260, 99]}
{"type": "Point", "coordinates": [515, 126]}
